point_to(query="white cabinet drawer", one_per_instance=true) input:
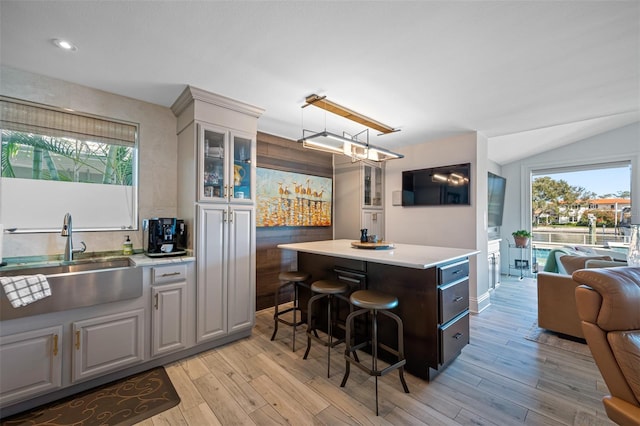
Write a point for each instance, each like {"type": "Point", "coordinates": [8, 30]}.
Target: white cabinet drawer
{"type": "Point", "coordinates": [169, 273]}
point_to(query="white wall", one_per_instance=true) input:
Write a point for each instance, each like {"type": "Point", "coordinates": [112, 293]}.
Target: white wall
{"type": "Point", "coordinates": [445, 226]}
{"type": "Point", "coordinates": [157, 156]}
{"type": "Point", "coordinates": [616, 145]}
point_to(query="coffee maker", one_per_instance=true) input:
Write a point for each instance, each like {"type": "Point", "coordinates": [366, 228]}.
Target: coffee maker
{"type": "Point", "coordinates": [165, 236]}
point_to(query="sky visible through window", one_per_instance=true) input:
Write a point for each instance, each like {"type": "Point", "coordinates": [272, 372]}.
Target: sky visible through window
{"type": "Point", "coordinates": [600, 181]}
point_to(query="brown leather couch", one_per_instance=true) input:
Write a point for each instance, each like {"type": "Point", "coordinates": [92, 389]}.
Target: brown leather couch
{"type": "Point", "coordinates": [557, 310]}
{"type": "Point", "coordinates": [609, 308]}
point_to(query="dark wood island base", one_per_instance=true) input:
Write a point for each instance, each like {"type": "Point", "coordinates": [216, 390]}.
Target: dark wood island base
{"type": "Point", "coordinates": [433, 304]}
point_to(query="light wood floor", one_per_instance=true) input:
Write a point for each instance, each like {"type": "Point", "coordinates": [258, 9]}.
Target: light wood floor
{"type": "Point", "coordinates": [499, 379]}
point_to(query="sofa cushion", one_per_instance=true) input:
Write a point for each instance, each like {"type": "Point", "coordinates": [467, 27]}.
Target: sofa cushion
{"type": "Point", "coordinates": [573, 263]}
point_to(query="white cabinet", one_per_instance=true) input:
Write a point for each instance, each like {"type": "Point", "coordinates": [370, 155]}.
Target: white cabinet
{"type": "Point", "coordinates": [225, 159]}
{"type": "Point", "coordinates": [225, 271]}
{"type": "Point", "coordinates": [373, 220]}
{"type": "Point", "coordinates": [216, 198]}
{"type": "Point", "coordinates": [107, 343]}
{"type": "Point", "coordinates": [359, 189]}
{"type": "Point", "coordinates": [30, 363]}
{"type": "Point", "coordinates": [169, 309]}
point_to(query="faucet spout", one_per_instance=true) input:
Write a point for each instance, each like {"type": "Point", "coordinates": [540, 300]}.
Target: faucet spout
{"type": "Point", "coordinates": [67, 231]}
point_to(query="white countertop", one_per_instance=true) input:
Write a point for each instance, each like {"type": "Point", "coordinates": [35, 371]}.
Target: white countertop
{"type": "Point", "coordinates": [407, 255]}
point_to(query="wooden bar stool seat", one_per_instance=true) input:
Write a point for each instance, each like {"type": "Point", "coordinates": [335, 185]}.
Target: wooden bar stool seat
{"type": "Point", "coordinates": [289, 278]}
{"type": "Point", "coordinates": [374, 303]}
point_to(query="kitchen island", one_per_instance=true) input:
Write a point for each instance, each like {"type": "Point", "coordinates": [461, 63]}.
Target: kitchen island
{"type": "Point", "coordinates": [431, 284]}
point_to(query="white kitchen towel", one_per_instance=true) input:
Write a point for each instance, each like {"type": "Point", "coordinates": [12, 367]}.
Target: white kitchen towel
{"type": "Point", "coordinates": [24, 289]}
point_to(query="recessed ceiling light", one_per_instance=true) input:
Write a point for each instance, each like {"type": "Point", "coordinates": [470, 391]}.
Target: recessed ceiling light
{"type": "Point", "coordinates": [65, 45]}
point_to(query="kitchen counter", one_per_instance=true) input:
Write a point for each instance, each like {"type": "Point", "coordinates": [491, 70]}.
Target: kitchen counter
{"type": "Point", "coordinates": [431, 284]}
{"type": "Point", "coordinates": [405, 255]}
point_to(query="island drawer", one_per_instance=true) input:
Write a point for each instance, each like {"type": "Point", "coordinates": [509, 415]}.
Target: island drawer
{"type": "Point", "coordinates": [169, 273]}
{"type": "Point", "coordinates": [453, 299]}
{"type": "Point", "coordinates": [453, 337]}
{"type": "Point", "coordinates": [453, 272]}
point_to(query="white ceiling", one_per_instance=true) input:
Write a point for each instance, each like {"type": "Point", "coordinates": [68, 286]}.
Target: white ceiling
{"type": "Point", "coordinates": [530, 75]}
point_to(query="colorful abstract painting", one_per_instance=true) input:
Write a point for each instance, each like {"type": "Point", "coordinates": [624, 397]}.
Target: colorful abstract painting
{"type": "Point", "coordinates": [292, 199]}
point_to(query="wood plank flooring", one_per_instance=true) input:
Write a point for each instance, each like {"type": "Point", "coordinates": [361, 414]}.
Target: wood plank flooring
{"type": "Point", "coordinates": [499, 379]}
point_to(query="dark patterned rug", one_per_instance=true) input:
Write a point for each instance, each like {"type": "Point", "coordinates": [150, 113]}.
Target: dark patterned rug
{"type": "Point", "coordinates": [124, 402]}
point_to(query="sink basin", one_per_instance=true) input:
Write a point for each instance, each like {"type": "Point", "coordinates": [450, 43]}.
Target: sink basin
{"type": "Point", "coordinates": [80, 283]}
{"type": "Point", "coordinates": [74, 266]}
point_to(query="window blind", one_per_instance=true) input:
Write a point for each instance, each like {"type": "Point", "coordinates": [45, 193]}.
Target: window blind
{"type": "Point", "coordinates": [27, 117]}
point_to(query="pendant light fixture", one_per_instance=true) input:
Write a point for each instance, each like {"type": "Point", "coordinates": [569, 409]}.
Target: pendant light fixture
{"type": "Point", "coordinates": [357, 146]}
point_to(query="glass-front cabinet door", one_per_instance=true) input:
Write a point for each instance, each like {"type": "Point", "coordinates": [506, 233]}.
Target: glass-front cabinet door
{"type": "Point", "coordinates": [241, 169]}
{"type": "Point", "coordinates": [213, 147]}
{"type": "Point", "coordinates": [372, 186]}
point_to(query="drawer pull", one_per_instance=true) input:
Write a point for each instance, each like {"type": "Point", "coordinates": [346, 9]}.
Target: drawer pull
{"type": "Point", "coordinates": [457, 299]}
{"type": "Point", "coordinates": [457, 336]}
{"type": "Point", "coordinates": [456, 272]}
{"type": "Point", "coordinates": [351, 280]}
{"type": "Point", "coordinates": [170, 274]}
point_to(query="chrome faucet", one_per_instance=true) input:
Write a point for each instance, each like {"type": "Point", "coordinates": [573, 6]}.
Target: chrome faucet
{"type": "Point", "coordinates": [67, 231]}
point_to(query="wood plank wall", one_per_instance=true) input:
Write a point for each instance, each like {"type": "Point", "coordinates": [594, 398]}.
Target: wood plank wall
{"type": "Point", "coordinates": [284, 154]}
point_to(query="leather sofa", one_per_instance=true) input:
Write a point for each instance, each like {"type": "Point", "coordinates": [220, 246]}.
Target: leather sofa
{"type": "Point", "coordinates": [557, 310]}
{"type": "Point", "coordinates": [608, 303]}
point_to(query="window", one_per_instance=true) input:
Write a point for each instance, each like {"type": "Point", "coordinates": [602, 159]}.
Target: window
{"type": "Point", "coordinates": [56, 161]}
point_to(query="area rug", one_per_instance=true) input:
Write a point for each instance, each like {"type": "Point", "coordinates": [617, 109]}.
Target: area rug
{"type": "Point", "coordinates": [124, 402]}
{"type": "Point", "coordinates": [550, 338]}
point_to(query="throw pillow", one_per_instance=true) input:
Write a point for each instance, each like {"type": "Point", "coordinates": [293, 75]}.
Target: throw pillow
{"type": "Point", "coordinates": [573, 263]}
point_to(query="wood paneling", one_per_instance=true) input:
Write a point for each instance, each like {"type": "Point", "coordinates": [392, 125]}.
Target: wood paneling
{"type": "Point", "coordinates": [283, 154]}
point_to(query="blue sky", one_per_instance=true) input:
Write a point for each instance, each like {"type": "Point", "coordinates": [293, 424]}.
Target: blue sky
{"type": "Point", "coordinates": [601, 181]}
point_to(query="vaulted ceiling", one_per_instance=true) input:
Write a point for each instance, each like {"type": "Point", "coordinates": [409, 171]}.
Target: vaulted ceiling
{"type": "Point", "coordinates": [530, 75]}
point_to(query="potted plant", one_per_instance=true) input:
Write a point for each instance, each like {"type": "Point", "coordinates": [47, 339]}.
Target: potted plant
{"type": "Point", "coordinates": [521, 237]}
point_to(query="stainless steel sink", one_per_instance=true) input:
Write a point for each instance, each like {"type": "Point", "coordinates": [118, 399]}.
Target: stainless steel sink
{"type": "Point", "coordinates": [77, 284]}
{"type": "Point", "coordinates": [74, 266]}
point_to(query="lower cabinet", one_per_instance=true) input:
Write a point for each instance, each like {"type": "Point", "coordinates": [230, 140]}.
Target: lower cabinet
{"type": "Point", "coordinates": [107, 343]}
{"type": "Point", "coordinates": [225, 271]}
{"type": "Point", "coordinates": [30, 363]}
{"type": "Point", "coordinates": [169, 309]}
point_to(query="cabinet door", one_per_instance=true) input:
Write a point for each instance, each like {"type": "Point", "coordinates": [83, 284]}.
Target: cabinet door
{"type": "Point", "coordinates": [213, 170]}
{"type": "Point", "coordinates": [169, 322]}
{"type": "Point", "coordinates": [107, 343]}
{"type": "Point", "coordinates": [30, 363]}
{"type": "Point", "coordinates": [373, 220]}
{"type": "Point", "coordinates": [241, 283]}
{"type": "Point", "coordinates": [242, 175]}
{"type": "Point", "coordinates": [211, 273]}
{"type": "Point", "coordinates": [372, 186]}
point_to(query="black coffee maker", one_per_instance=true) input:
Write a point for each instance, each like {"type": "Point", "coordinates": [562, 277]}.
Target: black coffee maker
{"type": "Point", "coordinates": [165, 236]}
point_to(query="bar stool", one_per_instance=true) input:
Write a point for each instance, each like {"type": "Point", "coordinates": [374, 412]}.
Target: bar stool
{"type": "Point", "coordinates": [329, 290]}
{"type": "Point", "coordinates": [374, 302]}
{"type": "Point", "coordinates": [296, 279]}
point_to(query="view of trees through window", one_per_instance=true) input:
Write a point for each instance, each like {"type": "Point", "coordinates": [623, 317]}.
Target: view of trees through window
{"type": "Point", "coordinates": [31, 156]}
{"type": "Point", "coordinates": [590, 206]}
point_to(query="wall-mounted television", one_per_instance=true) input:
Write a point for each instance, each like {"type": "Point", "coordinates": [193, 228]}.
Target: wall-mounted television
{"type": "Point", "coordinates": [496, 187]}
{"type": "Point", "coordinates": [437, 186]}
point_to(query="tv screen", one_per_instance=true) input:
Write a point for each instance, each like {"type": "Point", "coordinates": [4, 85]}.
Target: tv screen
{"type": "Point", "coordinates": [437, 186]}
{"type": "Point", "coordinates": [496, 188]}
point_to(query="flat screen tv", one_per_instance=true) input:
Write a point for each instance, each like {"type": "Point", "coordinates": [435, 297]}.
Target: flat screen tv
{"type": "Point", "coordinates": [496, 188]}
{"type": "Point", "coordinates": [437, 186]}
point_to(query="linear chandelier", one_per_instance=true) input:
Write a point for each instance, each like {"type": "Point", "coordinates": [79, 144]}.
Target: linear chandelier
{"type": "Point", "coordinates": [351, 146]}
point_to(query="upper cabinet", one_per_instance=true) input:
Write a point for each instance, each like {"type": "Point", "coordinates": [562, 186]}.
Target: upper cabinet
{"type": "Point", "coordinates": [359, 202]}
{"type": "Point", "coordinates": [372, 186]}
{"type": "Point", "coordinates": [225, 165]}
